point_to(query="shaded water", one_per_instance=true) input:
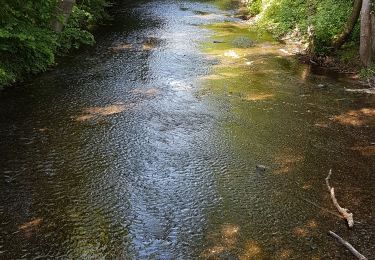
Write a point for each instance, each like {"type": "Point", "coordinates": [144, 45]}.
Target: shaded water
{"type": "Point", "coordinates": [146, 147]}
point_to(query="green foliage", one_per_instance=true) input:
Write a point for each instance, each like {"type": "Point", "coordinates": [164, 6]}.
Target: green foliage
{"type": "Point", "coordinates": [76, 31]}
{"type": "Point", "coordinates": [283, 16]}
{"type": "Point", "coordinates": [327, 17]}
{"type": "Point", "coordinates": [96, 9]}
{"type": "Point", "coordinates": [329, 20]}
{"type": "Point", "coordinates": [28, 44]}
{"type": "Point", "coordinates": [5, 76]}
{"type": "Point", "coordinates": [255, 7]}
{"type": "Point", "coordinates": [367, 73]}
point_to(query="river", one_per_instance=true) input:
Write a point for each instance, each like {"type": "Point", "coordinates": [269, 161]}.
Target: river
{"type": "Point", "coordinates": [183, 134]}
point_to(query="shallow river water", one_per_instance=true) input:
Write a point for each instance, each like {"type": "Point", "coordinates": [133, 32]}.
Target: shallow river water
{"type": "Point", "coordinates": [148, 146]}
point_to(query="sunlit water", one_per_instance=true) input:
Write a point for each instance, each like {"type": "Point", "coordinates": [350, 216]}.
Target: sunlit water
{"type": "Point", "coordinates": [146, 146]}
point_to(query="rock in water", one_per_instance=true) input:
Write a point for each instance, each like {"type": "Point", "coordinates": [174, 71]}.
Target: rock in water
{"type": "Point", "coordinates": [260, 168]}
{"type": "Point", "coordinates": [322, 86]}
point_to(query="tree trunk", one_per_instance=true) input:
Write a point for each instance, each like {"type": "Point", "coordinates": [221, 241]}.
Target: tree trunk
{"type": "Point", "coordinates": [372, 37]}
{"type": "Point", "coordinates": [341, 39]}
{"type": "Point", "coordinates": [64, 10]}
{"type": "Point", "coordinates": [365, 47]}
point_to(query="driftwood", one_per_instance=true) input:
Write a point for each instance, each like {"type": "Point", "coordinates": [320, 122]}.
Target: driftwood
{"type": "Point", "coordinates": [348, 246]}
{"type": "Point", "coordinates": [344, 212]}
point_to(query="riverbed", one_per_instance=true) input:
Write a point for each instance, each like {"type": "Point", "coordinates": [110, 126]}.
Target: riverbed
{"type": "Point", "coordinates": [184, 134]}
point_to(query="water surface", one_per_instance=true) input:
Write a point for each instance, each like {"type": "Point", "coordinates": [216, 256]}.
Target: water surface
{"type": "Point", "coordinates": [146, 146]}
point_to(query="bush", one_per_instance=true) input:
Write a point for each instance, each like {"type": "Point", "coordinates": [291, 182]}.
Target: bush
{"type": "Point", "coordinates": [284, 16]}
{"type": "Point", "coordinates": [255, 7]}
{"type": "Point", "coordinates": [329, 20]}
{"type": "Point", "coordinates": [327, 16]}
{"type": "Point", "coordinates": [28, 45]}
{"type": "Point", "coordinates": [76, 31]}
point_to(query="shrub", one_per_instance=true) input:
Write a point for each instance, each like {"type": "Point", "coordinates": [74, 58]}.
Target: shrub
{"type": "Point", "coordinates": [327, 16]}
{"type": "Point", "coordinates": [255, 7]}
{"type": "Point", "coordinates": [27, 43]}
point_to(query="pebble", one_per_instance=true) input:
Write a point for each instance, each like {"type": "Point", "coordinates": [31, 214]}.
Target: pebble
{"type": "Point", "coordinates": [260, 167]}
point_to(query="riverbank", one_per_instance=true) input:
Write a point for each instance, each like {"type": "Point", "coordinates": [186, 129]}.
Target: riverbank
{"type": "Point", "coordinates": [345, 61]}
{"type": "Point", "coordinates": [313, 27]}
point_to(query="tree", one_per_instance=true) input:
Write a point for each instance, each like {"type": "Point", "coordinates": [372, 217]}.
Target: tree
{"type": "Point", "coordinates": [65, 8]}
{"type": "Point", "coordinates": [341, 39]}
{"type": "Point", "coordinates": [367, 39]}
{"type": "Point", "coordinates": [373, 35]}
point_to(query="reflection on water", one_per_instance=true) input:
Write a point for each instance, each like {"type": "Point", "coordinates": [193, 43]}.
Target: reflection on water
{"type": "Point", "coordinates": [146, 146]}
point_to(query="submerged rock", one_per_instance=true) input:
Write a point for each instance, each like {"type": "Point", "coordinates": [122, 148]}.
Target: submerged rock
{"type": "Point", "coordinates": [243, 42]}
{"type": "Point", "coordinates": [261, 168]}
{"type": "Point", "coordinates": [199, 12]}
{"type": "Point", "coordinates": [322, 86]}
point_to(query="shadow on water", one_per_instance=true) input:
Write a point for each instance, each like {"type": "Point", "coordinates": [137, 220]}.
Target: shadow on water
{"type": "Point", "coordinates": [146, 146]}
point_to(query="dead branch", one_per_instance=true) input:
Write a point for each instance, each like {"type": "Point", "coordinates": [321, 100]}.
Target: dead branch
{"type": "Point", "coordinates": [343, 211]}
{"type": "Point", "coordinates": [348, 246]}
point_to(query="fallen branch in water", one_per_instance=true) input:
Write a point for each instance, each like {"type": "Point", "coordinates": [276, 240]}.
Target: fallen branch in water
{"type": "Point", "coordinates": [344, 212]}
{"type": "Point", "coordinates": [348, 246]}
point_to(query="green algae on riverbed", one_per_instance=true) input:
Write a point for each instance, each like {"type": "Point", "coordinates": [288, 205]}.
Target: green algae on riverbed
{"type": "Point", "coordinates": [275, 113]}
{"type": "Point", "coordinates": [241, 70]}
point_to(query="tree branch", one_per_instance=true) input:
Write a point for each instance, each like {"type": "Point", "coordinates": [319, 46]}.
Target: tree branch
{"type": "Point", "coordinates": [343, 211]}
{"type": "Point", "coordinates": [348, 246]}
